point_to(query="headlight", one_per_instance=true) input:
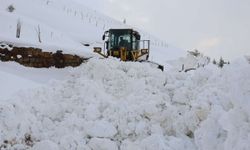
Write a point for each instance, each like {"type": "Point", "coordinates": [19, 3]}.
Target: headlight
{"type": "Point", "coordinates": [144, 51]}
{"type": "Point", "coordinates": [97, 49]}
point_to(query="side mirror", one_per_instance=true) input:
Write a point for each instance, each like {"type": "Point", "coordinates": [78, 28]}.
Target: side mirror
{"type": "Point", "coordinates": [103, 37]}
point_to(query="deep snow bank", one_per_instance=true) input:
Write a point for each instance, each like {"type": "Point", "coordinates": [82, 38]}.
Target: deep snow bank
{"type": "Point", "coordinates": [14, 77]}
{"type": "Point", "coordinates": [8, 81]}
{"type": "Point", "coordinates": [111, 105]}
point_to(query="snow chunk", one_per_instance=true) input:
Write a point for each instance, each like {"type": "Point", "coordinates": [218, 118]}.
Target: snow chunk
{"type": "Point", "coordinates": [92, 113]}
{"type": "Point", "coordinates": [69, 142]}
{"type": "Point", "coordinates": [5, 46]}
{"type": "Point", "coordinates": [100, 128]}
{"type": "Point", "coordinates": [154, 142]}
{"type": "Point", "coordinates": [45, 145]}
{"type": "Point", "coordinates": [102, 144]}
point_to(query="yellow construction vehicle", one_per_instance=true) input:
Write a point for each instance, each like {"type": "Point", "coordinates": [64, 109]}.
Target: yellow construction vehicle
{"type": "Point", "coordinates": [125, 44]}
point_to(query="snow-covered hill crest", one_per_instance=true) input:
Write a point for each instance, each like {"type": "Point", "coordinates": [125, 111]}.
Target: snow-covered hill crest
{"type": "Point", "coordinates": [65, 25]}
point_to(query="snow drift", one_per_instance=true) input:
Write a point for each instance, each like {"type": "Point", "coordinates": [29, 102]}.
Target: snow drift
{"type": "Point", "coordinates": [111, 105]}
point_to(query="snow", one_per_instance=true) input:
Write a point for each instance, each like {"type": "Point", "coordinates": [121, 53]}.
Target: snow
{"type": "Point", "coordinates": [102, 144]}
{"type": "Point", "coordinates": [69, 26]}
{"type": "Point", "coordinates": [48, 145]}
{"type": "Point", "coordinates": [106, 104]}
{"type": "Point", "coordinates": [100, 128]}
{"type": "Point", "coordinates": [15, 78]}
{"type": "Point", "coordinates": [7, 88]}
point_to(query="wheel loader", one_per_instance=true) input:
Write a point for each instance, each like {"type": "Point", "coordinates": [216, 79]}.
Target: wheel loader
{"type": "Point", "coordinates": [127, 45]}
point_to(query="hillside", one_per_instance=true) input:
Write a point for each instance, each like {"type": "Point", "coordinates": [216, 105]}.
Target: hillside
{"type": "Point", "coordinates": [64, 25]}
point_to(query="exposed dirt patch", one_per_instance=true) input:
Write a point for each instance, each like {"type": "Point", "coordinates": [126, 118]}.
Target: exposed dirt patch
{"type": "Point", "coordinates": [35, 57]}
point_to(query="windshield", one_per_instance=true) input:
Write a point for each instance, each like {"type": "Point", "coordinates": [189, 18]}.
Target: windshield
{"type": "Point", "coordinates": [120, 39]}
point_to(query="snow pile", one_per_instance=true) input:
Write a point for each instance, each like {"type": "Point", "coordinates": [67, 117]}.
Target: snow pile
{"type": "Point", "coordinates": [14, 77]}
{"type": "Point", "coordinates": [227, 126]}
{"type": "Point", "coordinates": [190, 62]}
{"type": "Point", "coordinates": [7, 79]}
{"type": "Point", "coordinates": [111, 105]}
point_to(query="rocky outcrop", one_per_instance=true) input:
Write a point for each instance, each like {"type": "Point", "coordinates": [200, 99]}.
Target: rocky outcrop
{"type": "Point", "coordinates": [35, 57]}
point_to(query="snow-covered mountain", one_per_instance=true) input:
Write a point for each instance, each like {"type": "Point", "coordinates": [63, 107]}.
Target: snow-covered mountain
{"type": "Point", "coordinates": [64, 24]}
{"type": "Point", "coordinates": [106, 104]}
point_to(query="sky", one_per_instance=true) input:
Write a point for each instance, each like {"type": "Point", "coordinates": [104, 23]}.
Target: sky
{"type": "Point", "coordinates": [218, 28]}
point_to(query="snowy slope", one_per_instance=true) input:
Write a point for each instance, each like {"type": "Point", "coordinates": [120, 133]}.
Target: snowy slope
{"type": "Point", "coordinates": [60, 28]}
{"type": "Point", "coordinates": [109, 105]}
{"type": "Point", "coordinates": [64, 24]}
{"type": "Point", "coordinates": [8, 89]}
{"type": "Point", "coordinates": [14, 78]}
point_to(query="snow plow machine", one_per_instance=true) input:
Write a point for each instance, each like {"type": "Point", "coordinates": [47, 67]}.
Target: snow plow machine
{"type": "Point", "coordinates": [126, 44]}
